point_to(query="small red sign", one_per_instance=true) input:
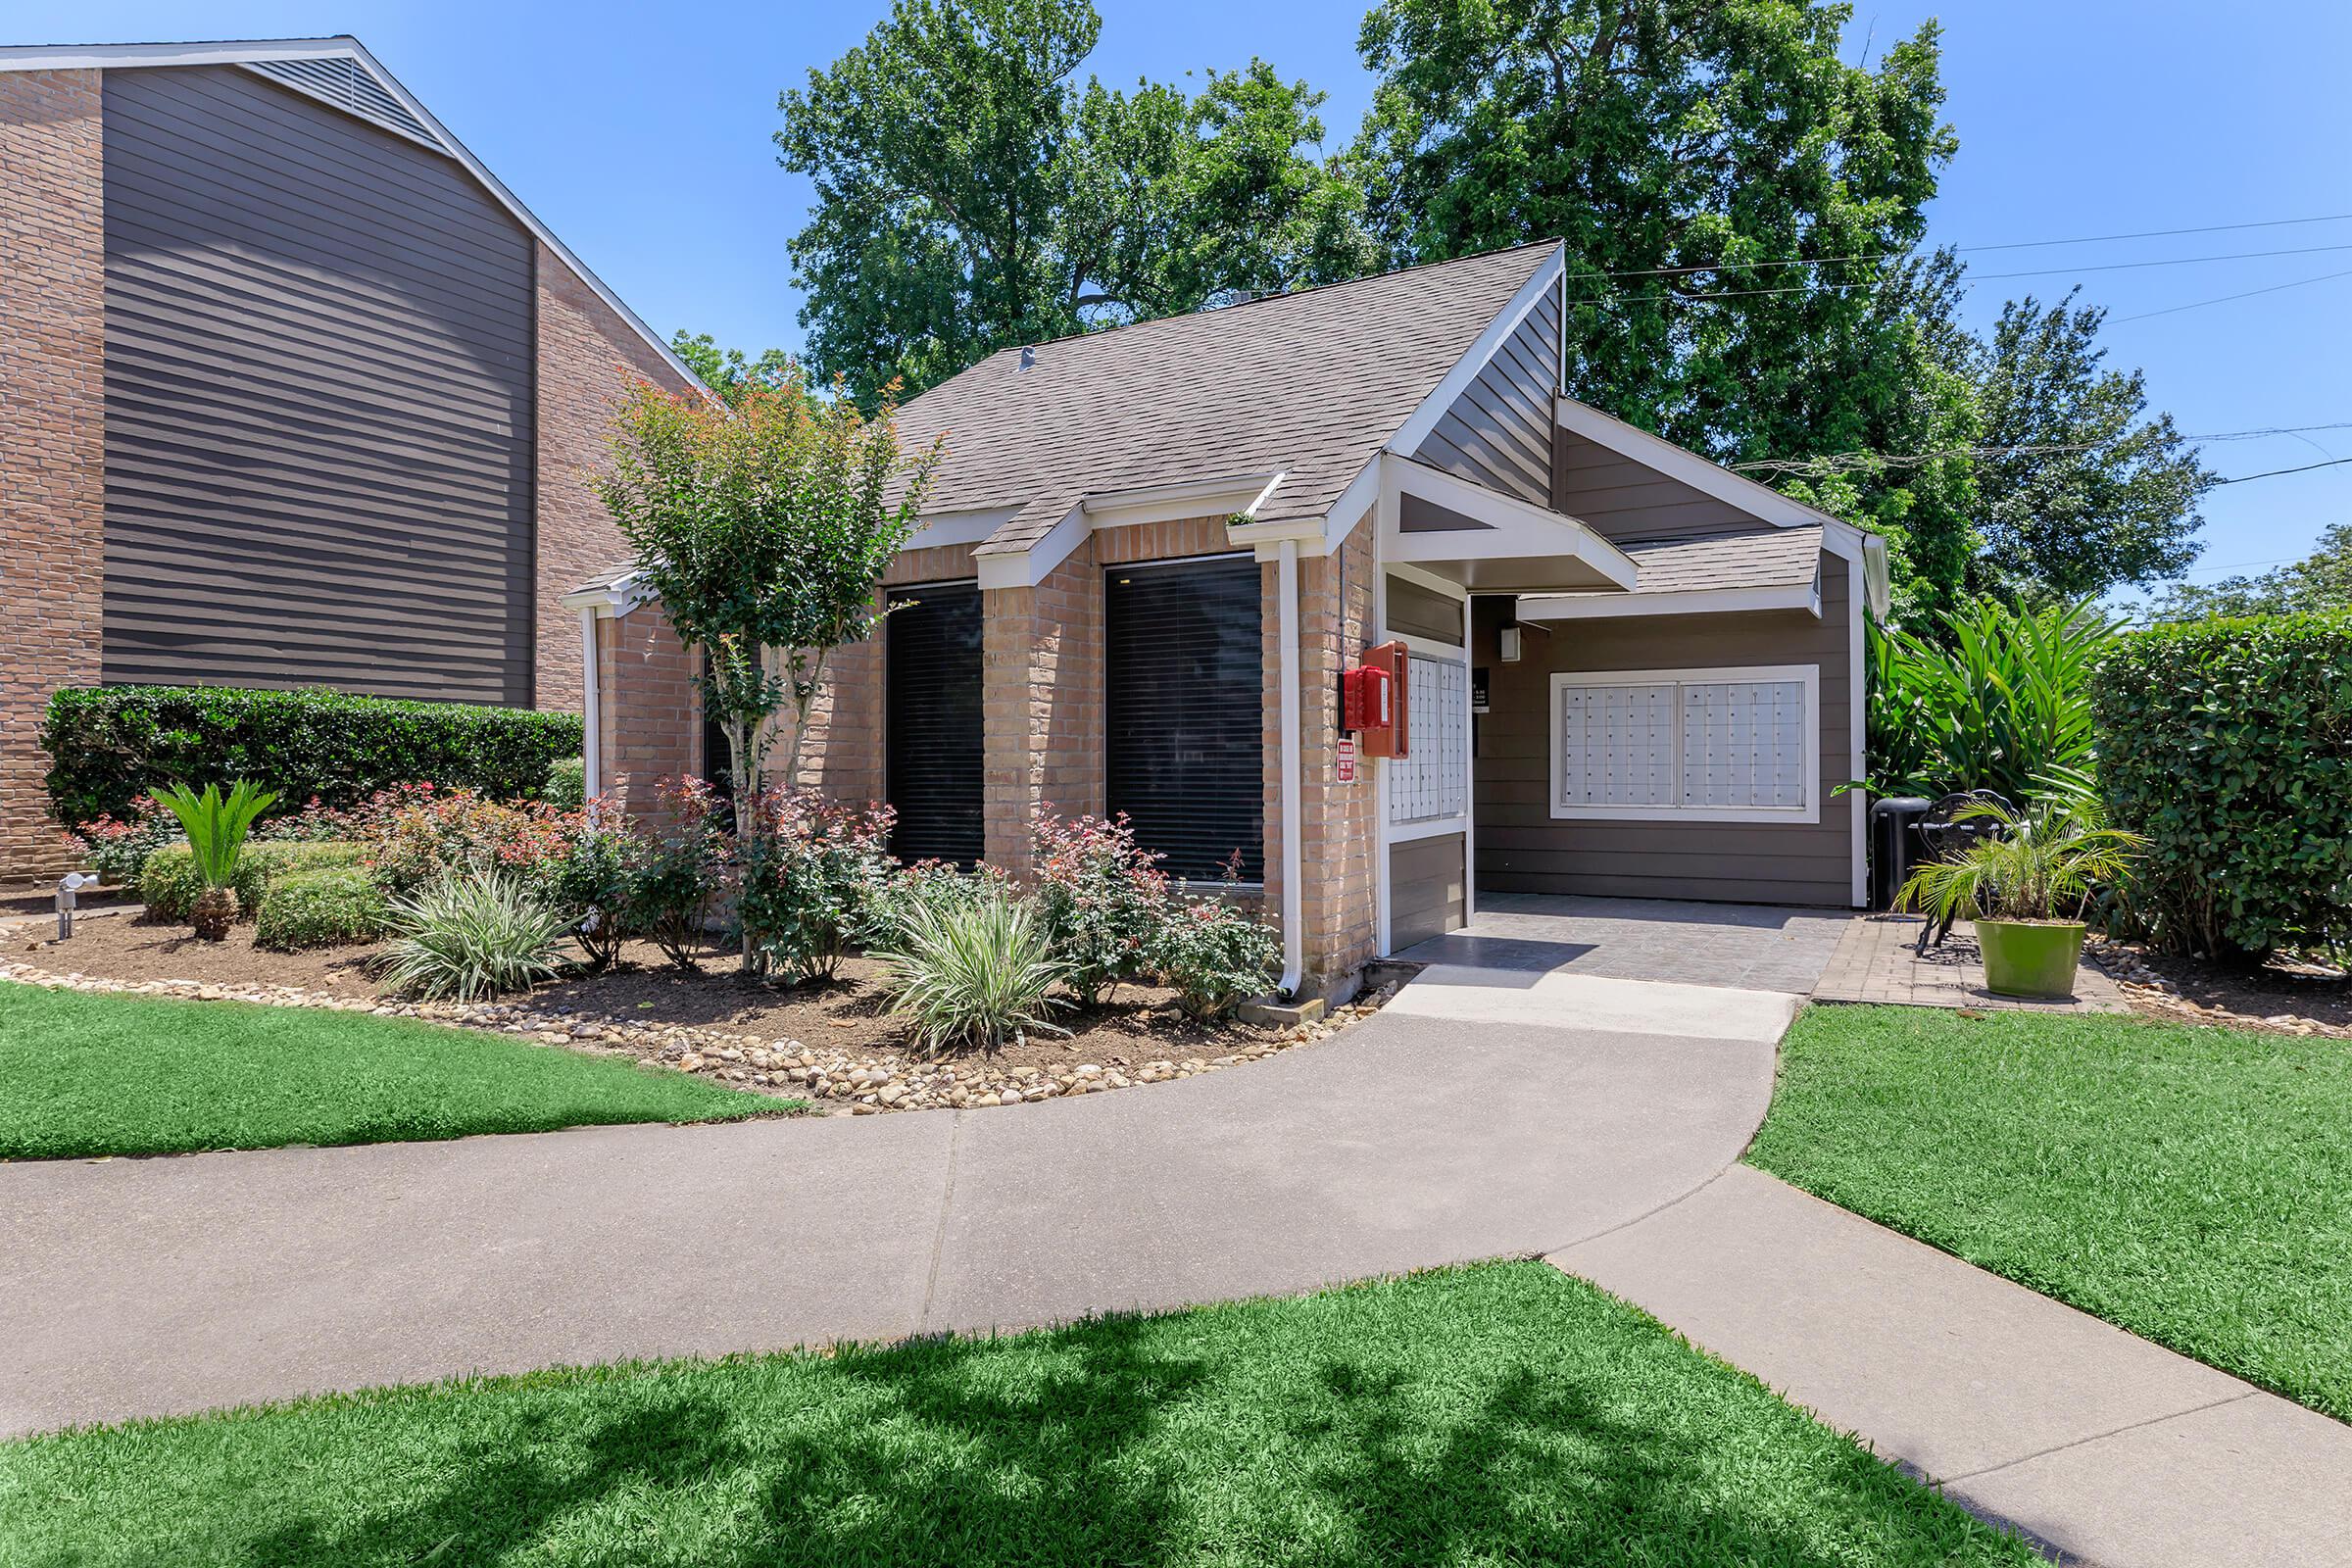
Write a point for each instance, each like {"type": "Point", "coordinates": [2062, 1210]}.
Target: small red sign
{"type": "Point", "coordinates": [1345, 769]}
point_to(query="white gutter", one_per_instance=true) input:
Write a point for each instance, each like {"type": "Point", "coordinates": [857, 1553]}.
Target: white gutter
{"type": "Point", "coordinates": [1294, 900]}
{"type": "Point", "coordinates": [592, 704]}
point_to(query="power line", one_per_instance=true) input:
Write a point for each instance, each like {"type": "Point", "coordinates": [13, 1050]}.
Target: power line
{"type": "Point", "coordinates": [2224, 299]}
{"type": "Point", "coordinates": [1835, 461]}
{"type": "Point", "coordinates": [2008, 245]}
{"type": "Point", "coordinates": [2274, 473]}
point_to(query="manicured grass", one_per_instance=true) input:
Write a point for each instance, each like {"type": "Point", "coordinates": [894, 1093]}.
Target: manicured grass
{"type": "Point", "coordinates": [93, 1074]}
{"type": "Point", "coordinates": [1500, 1414]}
{"type": "Point", "coordinates": [2193, 1185]}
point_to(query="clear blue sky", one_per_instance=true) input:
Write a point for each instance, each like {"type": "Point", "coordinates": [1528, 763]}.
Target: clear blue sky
{"type": "Point", "coordinates": [641, 135]}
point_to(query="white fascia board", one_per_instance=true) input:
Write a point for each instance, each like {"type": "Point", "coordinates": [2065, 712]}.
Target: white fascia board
{"type": "Point", "coordinates": [1685, 602]}
{"type": "Point", "coordinates": [1677, 463]}
{"type": "Point", "coordinates": [1407, 572]}
{"type": "Point", "coordinates": [101, 57]}
{"type": "Point", "coordinates": [1424, 418]}
{"type": "Point", "coordinates": [959, 527]}
{"type": "Point", "coordinates": [1026, 569]}
{"type": "Point", "coordinates": [1516, 529]}
{"type": "Point", "coordinates": [618, 597]}
{"type": "Point", "coordinates": [1228, 496]}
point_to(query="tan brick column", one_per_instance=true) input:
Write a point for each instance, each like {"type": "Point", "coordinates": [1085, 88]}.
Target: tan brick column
{"type": "Point", "coordinates": [1340, 833]}
{"type": "Point", "coordinates": [52, 430]}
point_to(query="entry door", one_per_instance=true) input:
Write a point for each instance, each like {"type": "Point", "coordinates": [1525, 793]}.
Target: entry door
{"type": "Point", "coordinates": [931, 648]}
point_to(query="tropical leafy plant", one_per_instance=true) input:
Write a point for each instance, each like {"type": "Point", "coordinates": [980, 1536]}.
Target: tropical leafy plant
{"type": "Point", "coordinates": [2000, 701]}
{"type": "Point", "coordinates": [216, 827]}
{"type": "Point", "coordinates": [2044, 864]}
{"type": "Point", "coordinates": [472, 933]}
{"type": "Point", "coordinates": [973, 971]}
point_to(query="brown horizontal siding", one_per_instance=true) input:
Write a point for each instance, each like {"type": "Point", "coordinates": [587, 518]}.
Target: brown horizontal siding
{"type": "Point", "coordinates": [1623, 498]}
{"type": "Point", "coordinates": [1423, 611]}
{"type": "Point", "coordinates": [319, 377]}
{"type": "Point", "coordinates": [1427, 890]}
{"type": "Point", "coordinates": [1523, 849]}
{"type": "Point", "coordinates": [1498, 432]}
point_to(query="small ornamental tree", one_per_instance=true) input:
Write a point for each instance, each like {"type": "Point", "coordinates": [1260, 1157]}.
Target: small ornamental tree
{"type": "Point", "coordinates": [765, 529]}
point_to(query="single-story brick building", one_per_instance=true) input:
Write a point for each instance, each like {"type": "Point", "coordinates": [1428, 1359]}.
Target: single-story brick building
{"type": "Point", "coordinates": [1150, 553]}
{"type": "Point", "coordinates": [294, 393]}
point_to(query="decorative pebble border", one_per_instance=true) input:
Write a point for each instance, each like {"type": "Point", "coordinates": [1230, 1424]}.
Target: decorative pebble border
{"type": "Point", "coordinates": [833, 1083]}
{"type": "Point", "coordinates": [2147, 989]}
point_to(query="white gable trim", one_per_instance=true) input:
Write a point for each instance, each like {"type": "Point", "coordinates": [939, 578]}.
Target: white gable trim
{"type": "Point", "coordinates": [1415, 429]}
{"type": "Point", "coordinates": [1231, 496]}
{"type": "Point", "coordinates": [959, 527]}
{"type": "Point", "coordinates": [1516, 531]}
{"type": "Point", "coordinates": [1681, 602]}
{"type": "Point", "coordinates": [118, 56]}
{"type": "Point", "coordinates": [616, 597]}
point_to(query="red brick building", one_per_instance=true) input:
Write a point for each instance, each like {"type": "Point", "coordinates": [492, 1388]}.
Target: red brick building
{"type": "Point", "coordinates": [296, 393]}
{"type": "Point", "coordinates": [1150, 553]}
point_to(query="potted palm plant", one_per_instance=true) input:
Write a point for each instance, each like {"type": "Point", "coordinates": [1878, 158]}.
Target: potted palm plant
{"type": "Point", "coordinates": [2026, 889]}
{"type": "Point", "coordinates": [216, 827]}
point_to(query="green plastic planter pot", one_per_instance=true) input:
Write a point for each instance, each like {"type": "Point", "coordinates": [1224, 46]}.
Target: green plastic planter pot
{"type": "Point", "coordinates": [2031, 959]}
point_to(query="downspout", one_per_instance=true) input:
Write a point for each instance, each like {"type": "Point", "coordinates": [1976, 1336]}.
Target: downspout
{"type": "Point", "coordinates": [592, 775]}
{"type": "Point", "coordinates": [1293, 895]}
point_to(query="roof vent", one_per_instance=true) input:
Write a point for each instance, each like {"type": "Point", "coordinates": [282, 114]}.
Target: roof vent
{"type": "Point", "coordinates": [1028, 356]}
{"type": "Point", "coordinates": [348, 85]}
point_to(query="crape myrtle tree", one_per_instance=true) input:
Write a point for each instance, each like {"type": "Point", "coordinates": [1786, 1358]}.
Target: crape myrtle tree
{"type": "Point", "coordinates": [765, 529]}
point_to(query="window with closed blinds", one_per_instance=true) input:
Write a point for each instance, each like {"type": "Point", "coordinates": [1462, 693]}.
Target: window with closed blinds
{"type": "Point", "coordinates": [1185, 699]}
{"type": "Point", "coordinates": [931, 697]}
{"type": "Point", "coordinates": [1702, 745]}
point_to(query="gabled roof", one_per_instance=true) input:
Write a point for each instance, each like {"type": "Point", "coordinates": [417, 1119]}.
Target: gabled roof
{"type": "Point", "coordinates": [1309, 386]}
{"type": "Point", "coordinates": [338, 72]}
{"type": "Point", "coordinates": [1782, 557]}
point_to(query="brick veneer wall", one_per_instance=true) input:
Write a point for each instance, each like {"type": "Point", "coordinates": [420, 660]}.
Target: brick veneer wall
{"type": "Point", "coordinates": [648, 710]}
{"type": "Point", "coordinates": [586, 352]}
{"type": "Point", "coordinates": [52, 429]}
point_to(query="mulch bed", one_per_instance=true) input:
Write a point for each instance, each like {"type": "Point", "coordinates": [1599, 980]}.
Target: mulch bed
{"type": "Point", "coordinates": [2284, 995]}
{"type": "Point", "coordinates": [830, 1041]}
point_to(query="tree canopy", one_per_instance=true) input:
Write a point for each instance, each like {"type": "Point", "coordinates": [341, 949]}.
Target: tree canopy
{"type": "Point", "coordinates": [971, 194]}
{"type": "Point", "coordinates": [731, 373]}
{"type": "Point", "coordinates": [2320, 581]}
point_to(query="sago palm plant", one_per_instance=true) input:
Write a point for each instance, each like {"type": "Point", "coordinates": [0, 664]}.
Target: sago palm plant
{"type": "Point", "coordinates": [971, 970]}
{"type": "Point", "coordinates": [2043, 865]}
{"type": "Point", "coordinates": [217, 827]}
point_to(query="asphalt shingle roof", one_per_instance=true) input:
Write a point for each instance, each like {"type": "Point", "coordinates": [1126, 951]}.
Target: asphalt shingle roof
{"type": "Point", "coordinates": [1769, 557]}
{"type": "Point", "coordinates": [1311, 383]}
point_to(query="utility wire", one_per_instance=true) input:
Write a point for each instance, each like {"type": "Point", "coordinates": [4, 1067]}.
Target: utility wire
{"type": "Point", "coordinates": [2010, 245]}
{"type": "Point", "coordinates": [2224, 299]}
{"type": "Point", "coordinates": [2274, 473]}
{"type": "Point", "coordinates": [1835, 461]}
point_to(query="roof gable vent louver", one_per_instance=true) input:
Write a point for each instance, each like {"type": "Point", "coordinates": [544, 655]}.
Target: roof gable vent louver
{"type": "Point", "coordinates": [350, 87]}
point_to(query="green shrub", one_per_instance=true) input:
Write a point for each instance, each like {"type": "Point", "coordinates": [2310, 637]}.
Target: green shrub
{"type": "Point", "coordinates": [117, 850]}
{"type": "Point", "coordinates": [168, 882]}
{"type": "Point", "coordinates": [971, 970]}
{"type": "Point", "coordinates": [2228, 745]}
{"type": "Point", "coordinates": [805, 873]}
{"type": "Point", "coordinates": [323, 907]}
{"type": "Point", "coordinates": [592, 879]}
{"type": "Point", "coordinates": [473, 933]}
{"type": "Point", "coordinates": [1215, 956]}
{"type": "Point", "coordinates": [1102, 897]}
{"type": "Point", "coordinates": [107, 746]}
{"type": "Point", "coordinates": [1995, 698]}
{"type": "Point", "coordinates": [566, 787]}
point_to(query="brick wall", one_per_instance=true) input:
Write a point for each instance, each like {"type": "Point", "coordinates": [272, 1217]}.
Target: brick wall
{"type": "Point", "coordinates": [649, 710]}
{"type": "Point", "coordinates": [52, 429]}
{"type": "Point", "coordinates": [585, 354]}
{"type": "Point", "coordinates": [1340, 830]}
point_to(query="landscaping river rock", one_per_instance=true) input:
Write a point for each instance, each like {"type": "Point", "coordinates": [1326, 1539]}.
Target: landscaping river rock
{"type": "Point", "coordinates": [830, 1082]}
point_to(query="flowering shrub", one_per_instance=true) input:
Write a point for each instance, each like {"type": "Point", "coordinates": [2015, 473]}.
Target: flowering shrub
{"type": "Point", "coordinates": [593, 879]}
{"type": "Point", "coordinates": [881, 925]}
{"type": "Point", "coordinates": [678, 864]}
{"type": "Point", "coordinates": [415, 833]}
{"type": "Point", "coordinates": [321, 823]}
{"type": "Point", "coordinates": [805, 874]}
{"type": "Point", "coordinates": [118, 848]}
{"type": "Point", "coordinates": [1213, 955]}
{"type": "Point", "coordinates": [1100, 897]}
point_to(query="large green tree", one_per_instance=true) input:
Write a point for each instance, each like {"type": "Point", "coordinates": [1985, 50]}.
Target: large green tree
{"type": "Point", "coordinates": [971, 194]}
{"type": "Point", "coordinates": [2082, 489]}
{"type": "Point", "coordinates": [732, 373]}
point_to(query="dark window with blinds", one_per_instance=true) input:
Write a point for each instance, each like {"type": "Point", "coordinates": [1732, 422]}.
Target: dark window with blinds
{"type": "Point", "coordinates": [931, 650]}
{"type": "Point", "coordinates": [1185, 696]}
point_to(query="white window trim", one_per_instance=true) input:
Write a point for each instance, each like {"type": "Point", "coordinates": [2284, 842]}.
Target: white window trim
{"type": "Point", "coordinates": [1809, 676]}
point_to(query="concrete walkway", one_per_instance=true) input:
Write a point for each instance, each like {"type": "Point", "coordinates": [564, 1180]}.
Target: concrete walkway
{"type": "Point", "coordinates": [1589, 1109]}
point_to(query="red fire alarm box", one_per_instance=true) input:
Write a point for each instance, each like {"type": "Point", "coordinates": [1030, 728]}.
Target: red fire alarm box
{"type": "Point", "coordinates": [1375, 701]}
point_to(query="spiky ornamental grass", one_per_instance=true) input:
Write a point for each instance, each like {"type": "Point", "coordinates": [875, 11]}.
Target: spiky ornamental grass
{"type": "Point", "coordinates": [471, 934]}
{"type": "Point", "coordinates": [971, 971]}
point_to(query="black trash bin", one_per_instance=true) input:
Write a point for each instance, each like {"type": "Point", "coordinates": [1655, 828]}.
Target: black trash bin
{"type": "Point", "coordinates": [1896, 846]}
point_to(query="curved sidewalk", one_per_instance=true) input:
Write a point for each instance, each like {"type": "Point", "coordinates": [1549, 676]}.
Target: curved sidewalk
{"type": "Point", "coordinates": [143, 1287]}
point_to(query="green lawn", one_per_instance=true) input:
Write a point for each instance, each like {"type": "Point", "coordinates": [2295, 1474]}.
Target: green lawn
{"type": "Point", "coordinates": [91, 1074]}
{"type": "Point", "coordinates": [1499, 1414]}
{"type": "Point", "coordinates": [2193, 1185]}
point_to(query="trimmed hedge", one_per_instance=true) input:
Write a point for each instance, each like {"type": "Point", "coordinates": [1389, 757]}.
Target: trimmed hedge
{"type": "Point", "coordinates": [321, 908]}
{"type": "Point", "coordinates": [110, 745]}
{"type": "Point", "coordinates": [168, 882]}
{"type": "Point", "coordinates": [2228, 743]}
